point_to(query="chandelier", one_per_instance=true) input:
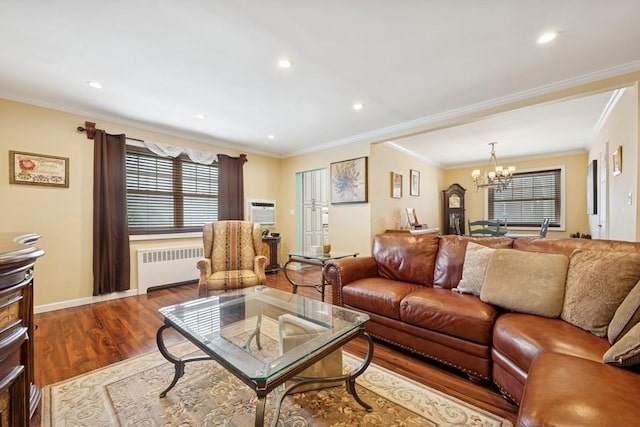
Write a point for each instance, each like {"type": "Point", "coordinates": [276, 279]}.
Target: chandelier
{"type": "Point", "coordinates": [495, 176]}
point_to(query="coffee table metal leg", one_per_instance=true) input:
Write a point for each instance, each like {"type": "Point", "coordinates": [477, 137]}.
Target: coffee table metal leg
{"type": "Point", "coordinates": [255, 334]}
{"type": "Point", "coordinates": [260, 411]}
{"type": "Point", "coordinates": [178, 362]}
{"type": "Point", "coordinates": [351, 380]}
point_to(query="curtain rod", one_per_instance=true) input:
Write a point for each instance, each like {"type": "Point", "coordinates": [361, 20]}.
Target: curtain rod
{"type": "Point", "coordinates": [90, 128]}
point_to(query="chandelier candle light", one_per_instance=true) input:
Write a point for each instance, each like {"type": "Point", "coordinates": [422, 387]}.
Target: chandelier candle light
{"type": "Point", "coordinates": [495, 176]}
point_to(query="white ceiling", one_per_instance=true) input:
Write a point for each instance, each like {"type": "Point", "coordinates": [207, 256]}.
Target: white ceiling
{"type": "Point", "coordinates": [410, 62]}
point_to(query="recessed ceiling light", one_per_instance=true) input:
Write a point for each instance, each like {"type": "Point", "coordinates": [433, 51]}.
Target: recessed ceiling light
{"type": "Point", "coordinates": [358, 106]}
{"type": "Point", "coordinates": [285, 63]}
{"type": "Point", "coordinates": [547, 37]}
{"type": "Point", "coordinates": [200, 116]}
{"type": "Point", "coordinates": [94, 84]}
{"type": "Point", "coordinates": [271, 136]}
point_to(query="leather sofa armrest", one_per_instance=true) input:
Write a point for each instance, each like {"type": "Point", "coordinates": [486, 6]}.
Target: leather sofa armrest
{"type": "Point", "coordinates": [343, 271]}
{"type": "Point", "coordinates": [563, 390]}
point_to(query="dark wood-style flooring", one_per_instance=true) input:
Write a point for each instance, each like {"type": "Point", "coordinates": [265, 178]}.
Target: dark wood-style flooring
{"type": "Point", "coordinates": [73, 341]}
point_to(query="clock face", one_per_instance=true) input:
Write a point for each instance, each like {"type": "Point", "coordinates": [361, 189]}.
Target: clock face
{"type": "Point", "coordinates": [454, 201]}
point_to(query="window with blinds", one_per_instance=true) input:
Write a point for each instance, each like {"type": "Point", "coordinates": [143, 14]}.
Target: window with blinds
{"type": "Point", "coordinates": [531, 197]}
{"type": "Point", "coordinates": [169, 195]}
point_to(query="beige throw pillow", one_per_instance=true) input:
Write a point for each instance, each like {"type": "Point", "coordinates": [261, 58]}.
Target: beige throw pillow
{"type": "Point", "coordinates": [626, 316]}
{"type": "Point", "coordinates": [597, 283]}
{"type": "Point", "coordinates": [526, 282]}
{"type": "Point", "coordinates": [476, 259]}
{"type": "Point", "coordinates": [625, 352]}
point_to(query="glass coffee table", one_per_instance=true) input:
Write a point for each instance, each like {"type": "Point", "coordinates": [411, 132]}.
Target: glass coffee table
{"type": "Point", "coordinates": [241, 331]}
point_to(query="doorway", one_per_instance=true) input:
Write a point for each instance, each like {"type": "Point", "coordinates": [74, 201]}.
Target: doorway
{"type": "Point", "coordinates": [313, 209]}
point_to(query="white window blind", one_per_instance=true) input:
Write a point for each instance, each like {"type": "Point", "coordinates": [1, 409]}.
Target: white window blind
{"type": "Point", "coordinates": [169, 194]}
{"type": "Point", "coordinates": [531, 197]}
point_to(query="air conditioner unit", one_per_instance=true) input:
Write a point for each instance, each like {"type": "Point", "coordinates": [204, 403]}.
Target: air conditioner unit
{"type": "Point", "coordinates": [262, 211]}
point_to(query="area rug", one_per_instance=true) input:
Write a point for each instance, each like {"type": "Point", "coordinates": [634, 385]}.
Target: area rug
{"type": "Point", "coordinates": [126, 394]}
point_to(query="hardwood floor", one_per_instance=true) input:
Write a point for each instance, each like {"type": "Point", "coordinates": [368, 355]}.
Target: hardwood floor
{"type": "Point", "coordinates": [73, 341]}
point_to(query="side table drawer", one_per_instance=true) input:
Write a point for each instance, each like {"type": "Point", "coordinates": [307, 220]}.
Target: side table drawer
{"type": "Point", "coordinates": [11, 310]}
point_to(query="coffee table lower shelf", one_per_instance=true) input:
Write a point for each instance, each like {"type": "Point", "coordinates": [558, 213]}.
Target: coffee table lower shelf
{"type": "Point", "coordinates": [263, 387]}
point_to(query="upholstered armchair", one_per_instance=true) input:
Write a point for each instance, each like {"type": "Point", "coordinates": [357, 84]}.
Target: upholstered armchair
{"type": "Point", "coordinates": [233, 257]}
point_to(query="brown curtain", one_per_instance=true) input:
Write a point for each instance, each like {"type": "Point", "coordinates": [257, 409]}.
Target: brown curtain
{"type": "Point", "coordinates": [230, 187]}
{"type": "Point", "coordinates": [110, 229]}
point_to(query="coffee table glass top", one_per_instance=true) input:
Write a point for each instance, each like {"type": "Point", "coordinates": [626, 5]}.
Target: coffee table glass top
{"type": "Point", "coordinates": [240, 329]}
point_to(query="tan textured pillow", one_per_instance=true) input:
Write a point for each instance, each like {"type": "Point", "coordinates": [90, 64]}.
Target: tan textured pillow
{"type": "Point", "coordinates": [625, 352]}
{"type": "Point", "coordinates": [597, 282]}
{"type": "Point", "coordinates": [626, 316]}
{"type": "Point", "coordinates": [476, 259]}
{"type": "Point", "coordinates": [527, 282]}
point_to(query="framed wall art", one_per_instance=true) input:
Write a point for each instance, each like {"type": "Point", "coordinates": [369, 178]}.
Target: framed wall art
{"type": "Point", "coordinates": [616, 156]}
{"type": "Point", "coordinates": [38, 169]}
{"type": "Point", "coordinates": [349, 181]}
{"type": "Point", "coordinates": [414, 187]}
{"type": "Point", "coordinates": [396, 185]}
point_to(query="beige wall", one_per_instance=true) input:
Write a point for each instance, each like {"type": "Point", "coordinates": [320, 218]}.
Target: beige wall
{"type": "Point", "coordinates": [63, 216]}
{"type": "Point", "coordinates": [576, 202]}
{"type": "Point", "coordinates": [349, 224]}
{"type": "Point", "coordinates": [620, 129]}
{"type": "Point", "coordinates": [387, 212]}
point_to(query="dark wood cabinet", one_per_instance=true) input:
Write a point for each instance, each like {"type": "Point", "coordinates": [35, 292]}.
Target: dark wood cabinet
{"type": "Point", "coordinates": [453, 209]}
{"type": "Point", "coordinates": [19, 396]}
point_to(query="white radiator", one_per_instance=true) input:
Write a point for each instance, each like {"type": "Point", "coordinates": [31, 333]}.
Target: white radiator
{"type": "Point", "coordinates": [166, 266]}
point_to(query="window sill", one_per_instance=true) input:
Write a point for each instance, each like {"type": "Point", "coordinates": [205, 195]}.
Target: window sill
{"type": "Point", "coordinates": [168, 236]}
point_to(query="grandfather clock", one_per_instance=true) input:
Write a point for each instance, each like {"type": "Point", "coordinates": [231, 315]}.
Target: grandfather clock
{"type": "Point", "coordinates": [453, 203]}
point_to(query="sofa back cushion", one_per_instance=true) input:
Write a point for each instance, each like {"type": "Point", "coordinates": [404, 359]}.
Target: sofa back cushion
{"type": "Point", "coordinates": [566, 246]}
{"type": "Point", "coordinates": [627, 315]}
{"type": "Point", "coordinates": [476, 260]}
{"type": "Point", "coordinates": [451, 253]}
{"type": "Point", "coordinates": [526, 282]}
{"type": "Point", "coordinates": [597, 283]}
{"type": "Point", "coordinates": [406, 257]}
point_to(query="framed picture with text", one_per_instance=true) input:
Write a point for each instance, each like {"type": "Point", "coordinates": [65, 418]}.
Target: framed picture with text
{"type": "Point", "coordinates": [38, 169]}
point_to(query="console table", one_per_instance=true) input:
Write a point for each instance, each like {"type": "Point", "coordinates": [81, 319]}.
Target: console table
{"type": "Point", "coordinates": [19, 396]}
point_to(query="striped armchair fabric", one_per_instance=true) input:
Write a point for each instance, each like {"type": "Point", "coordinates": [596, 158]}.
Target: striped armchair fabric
{"type": "Point", "coordinates": [233, 257]}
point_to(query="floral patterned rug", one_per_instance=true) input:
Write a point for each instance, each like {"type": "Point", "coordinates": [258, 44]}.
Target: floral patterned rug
{"type": "Point", "coordinates": [126, 394]}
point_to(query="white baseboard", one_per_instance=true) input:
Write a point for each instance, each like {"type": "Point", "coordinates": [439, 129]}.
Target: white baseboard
{"type": "Point", "coordinates": [83, 301]}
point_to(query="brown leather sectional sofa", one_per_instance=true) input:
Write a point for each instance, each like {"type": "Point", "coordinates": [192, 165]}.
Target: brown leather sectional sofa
{"type": "Point", "coordinates": [550, 368]}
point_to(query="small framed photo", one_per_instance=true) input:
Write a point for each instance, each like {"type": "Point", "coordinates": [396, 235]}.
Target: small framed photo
{"type": "Point", "coordinates": [38, 169]}
{"type": "Point", "coordinates": [396, 185]}
{"type": "Point", "coordinates": [414, 188]}
{"type": "Point", "coordinates": [617, 160]}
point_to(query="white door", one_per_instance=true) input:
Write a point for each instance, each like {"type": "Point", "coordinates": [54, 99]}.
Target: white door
{"type": "Point", "coordinates": [314, 204]}
{"type": "Point", "coordinates": [603, 203]}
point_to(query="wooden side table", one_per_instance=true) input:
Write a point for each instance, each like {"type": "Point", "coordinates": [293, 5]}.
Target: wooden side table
{"type": "Point", "coordinates": [272, 243]}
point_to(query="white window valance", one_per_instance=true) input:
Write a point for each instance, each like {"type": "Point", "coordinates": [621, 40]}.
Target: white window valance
{"type": "Point", "coordinates": [167, 150]}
